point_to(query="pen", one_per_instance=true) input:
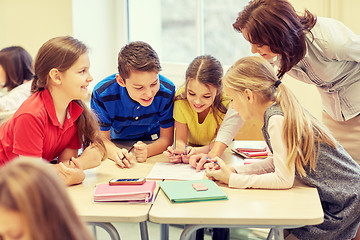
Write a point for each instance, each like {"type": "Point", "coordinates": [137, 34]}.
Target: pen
{"type": "Point", "coordinates": [128, 152]}
{"type": "Point", "coordinates": [186, 150]}
{"type": "Point", "coordinates": [211, 161]}
{"type": "Point", "coordinates": [131, 149]}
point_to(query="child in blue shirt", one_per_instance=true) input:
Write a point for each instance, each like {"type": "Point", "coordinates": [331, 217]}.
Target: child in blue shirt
{"type": "Point", "coordinates": [135, 104]}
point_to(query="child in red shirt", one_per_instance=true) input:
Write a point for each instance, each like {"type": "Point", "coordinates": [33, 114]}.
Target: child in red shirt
{"type": "Point", "coordinates": [54, 122]}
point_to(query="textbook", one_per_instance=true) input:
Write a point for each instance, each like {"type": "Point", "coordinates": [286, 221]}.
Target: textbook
{"type": "Point", "coordinates": [124, 193]}
{"type": "Point", "coordinates": [185, 191]}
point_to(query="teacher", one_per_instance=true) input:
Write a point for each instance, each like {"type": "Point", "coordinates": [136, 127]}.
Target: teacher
{"type": "Point", "coordinates": [315, 50]}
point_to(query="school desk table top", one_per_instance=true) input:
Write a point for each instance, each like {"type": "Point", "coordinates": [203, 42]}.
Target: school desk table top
{"type": "Point", "coordinates": [261, 208]}
{"type": "Point", "coordinates": [106, 212]}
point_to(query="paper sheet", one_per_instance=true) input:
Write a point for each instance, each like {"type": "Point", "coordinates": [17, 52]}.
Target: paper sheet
{"type": "Point", "coordinates": [178, 171]}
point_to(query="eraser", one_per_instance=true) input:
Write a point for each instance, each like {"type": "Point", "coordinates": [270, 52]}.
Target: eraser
{"type": "Point", "coordinates": [199, 187]}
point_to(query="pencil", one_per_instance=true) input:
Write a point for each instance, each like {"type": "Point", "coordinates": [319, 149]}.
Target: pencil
{"type": "Point", "coordinates": [131, 149]}
{"type": "Point", "coordinates": [175, 138]}
{"type": "Point", "coordinates": [128, 152]}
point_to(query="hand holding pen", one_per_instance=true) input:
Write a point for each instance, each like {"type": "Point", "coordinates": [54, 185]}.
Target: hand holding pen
{"type": "Point", "coordinates": [189, 151]}
{"type": "Point", "coordinates": [220, 171]}
{"type": "Point", "coordinates": [178, 155]}
{"type": "Point", "coordinates": [124, 161]}
{"type": "Point", "coordinates": [213, 162]}
{"type": "Point", "coordinates": [174, 155]}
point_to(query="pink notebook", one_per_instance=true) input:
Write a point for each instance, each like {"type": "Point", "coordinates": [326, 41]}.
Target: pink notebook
{"type": "Point", "coordinates": [124, 193]}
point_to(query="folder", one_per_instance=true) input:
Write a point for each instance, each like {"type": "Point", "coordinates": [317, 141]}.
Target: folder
{"type": "Point", "coordinates": [183, 191]}
{"type": "Point", "coordinates": [124, 193]}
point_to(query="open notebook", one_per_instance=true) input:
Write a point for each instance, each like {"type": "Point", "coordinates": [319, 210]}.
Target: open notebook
{"type": "Point", "coordinates": [183, 191]}
{"type": "Point", "coordinates": [124, 193]}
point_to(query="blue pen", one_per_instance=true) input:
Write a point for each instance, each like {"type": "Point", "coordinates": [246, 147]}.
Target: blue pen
{"type": "Point", "coordinates": [186, 150]}
{"type": "Point", "coordinates": [212, 161]}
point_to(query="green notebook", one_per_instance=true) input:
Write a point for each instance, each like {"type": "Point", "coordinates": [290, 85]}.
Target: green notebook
{"type": "Point", "coordinates": [183, 191]}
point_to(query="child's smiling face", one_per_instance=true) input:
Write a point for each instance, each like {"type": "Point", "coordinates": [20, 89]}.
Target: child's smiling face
{"type": "Point", "coordinates": [142, 86]}
{"type": "Point", "coordinates": [199, 95]}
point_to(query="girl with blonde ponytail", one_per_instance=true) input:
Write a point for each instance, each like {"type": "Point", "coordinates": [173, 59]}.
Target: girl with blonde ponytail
{"type": "Point", "coordinates": [301, 147]}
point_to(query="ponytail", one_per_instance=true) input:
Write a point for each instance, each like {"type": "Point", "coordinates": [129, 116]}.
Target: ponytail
{"type": "Point", "coordinates": [301, 131]}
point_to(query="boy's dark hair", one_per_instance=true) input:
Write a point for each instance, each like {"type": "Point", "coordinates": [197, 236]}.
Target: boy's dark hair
{"type": "Point", "coordinates": [137, 56]}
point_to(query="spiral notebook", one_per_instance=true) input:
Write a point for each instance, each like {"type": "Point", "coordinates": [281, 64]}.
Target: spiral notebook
{"type": "Point", "coordinates": [125, 193]}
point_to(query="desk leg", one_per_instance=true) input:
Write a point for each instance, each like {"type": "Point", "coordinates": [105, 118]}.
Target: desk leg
{"type": "Point", "coordinates": [164, 231]}
{"type": "Point", "coordinates": [108, 227]}
{"type": "Point", "coordinates": [144, 231]}
{"type": "Point", "coordinates": [278, 233]}
{"type": "Point", "coordinates": [270, 235]}
{"type": "Point", "coordinates": [190, 230]}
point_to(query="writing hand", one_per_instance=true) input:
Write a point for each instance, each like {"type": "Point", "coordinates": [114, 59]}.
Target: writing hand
{"type": "Point", "coordinates": [197, 161]}
{"type": "Point", "coordinates": [122, 158]}
{"type": "Point", "coordinates": [221, 173]}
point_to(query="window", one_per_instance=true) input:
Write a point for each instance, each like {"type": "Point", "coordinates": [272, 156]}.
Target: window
{"type": "Point", "coordinates": [177, 30]}
{"type": "Point", "coordinates": [181, 30]}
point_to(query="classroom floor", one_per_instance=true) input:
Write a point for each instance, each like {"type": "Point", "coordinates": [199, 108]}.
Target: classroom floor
{"type": "Point", "coordinates": [131, 231]}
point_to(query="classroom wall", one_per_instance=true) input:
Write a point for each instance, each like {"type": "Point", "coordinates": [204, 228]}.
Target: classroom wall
{"type": "Point", "coordinates": [102, 26]}
{"type": "Point", "coordinates": [31, 23]}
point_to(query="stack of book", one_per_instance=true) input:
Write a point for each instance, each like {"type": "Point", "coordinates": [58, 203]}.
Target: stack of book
{"type": "Point", "coordinates": [251, 151]}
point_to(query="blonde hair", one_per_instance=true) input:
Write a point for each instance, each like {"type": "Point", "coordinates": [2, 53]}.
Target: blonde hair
{"type": "Point", "coordinates": [33, 189]}
{"type": "Point", "coordinates": [301, 131]}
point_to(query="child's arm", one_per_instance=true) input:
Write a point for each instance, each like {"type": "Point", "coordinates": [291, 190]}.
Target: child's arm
{"type": "Point", "coordinates": [70, 175]}
{"type": "Point", "coordinates": [176, 155]}
{"type": "Point", "coordinates": [181, 136]}
{"type": "Point", "coordinates": [90, 157]}
{"type": "Point", "coordinates": [272, 173]}
{"type": "Point", "coordinates": [228, 129]}
{"type": "Point", "coordinates": [143, 151]}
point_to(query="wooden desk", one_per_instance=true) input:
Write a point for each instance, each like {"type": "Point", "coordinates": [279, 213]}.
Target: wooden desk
{"type": "Point", "coordinates": [246, 208]}
{"type": "Point", "coordinates": [106, 212]}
